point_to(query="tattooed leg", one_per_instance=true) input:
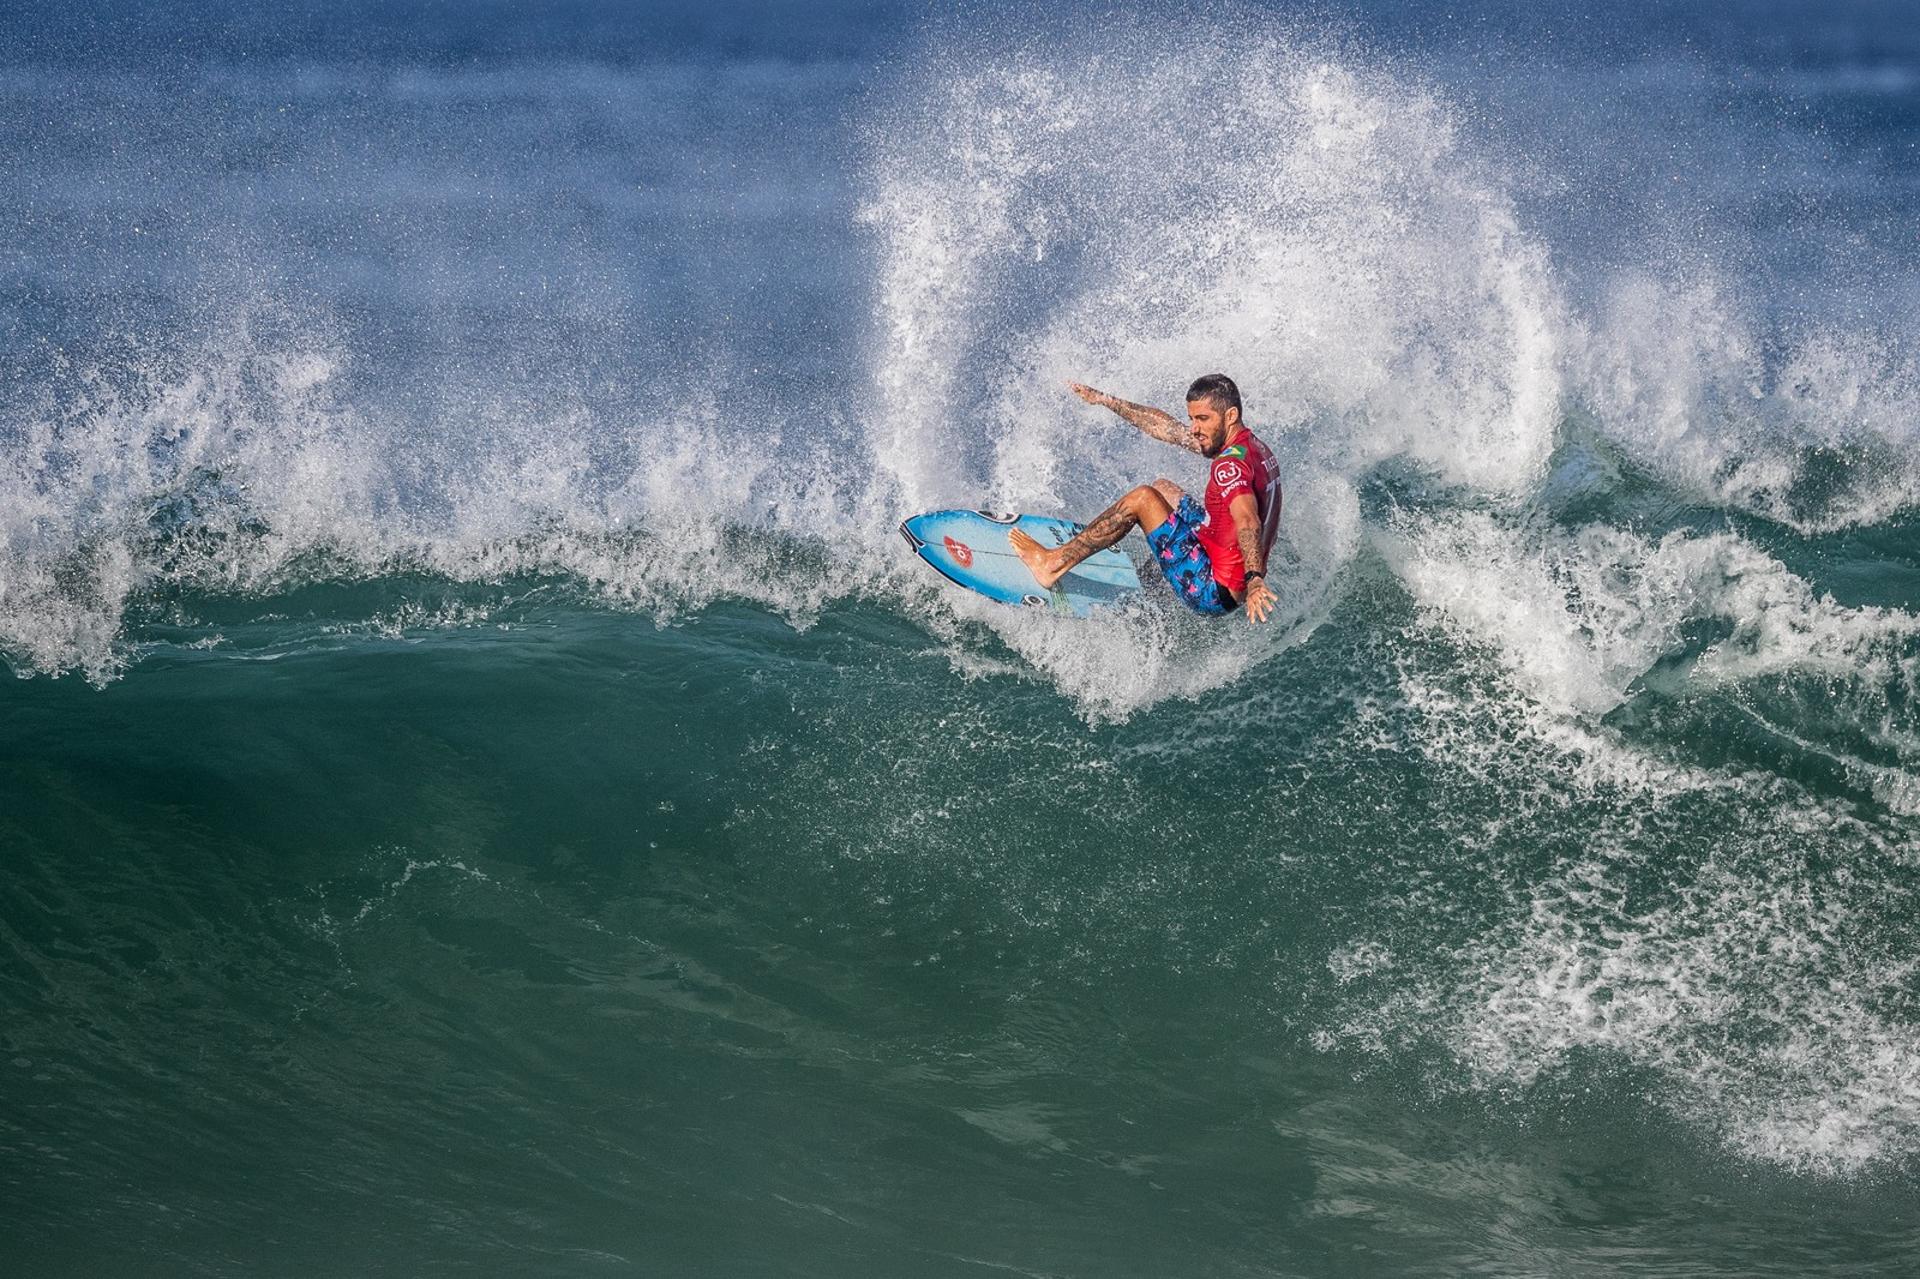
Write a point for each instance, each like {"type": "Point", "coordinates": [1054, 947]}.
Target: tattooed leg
{"type": "Point", "coordinates": [1145, 506]}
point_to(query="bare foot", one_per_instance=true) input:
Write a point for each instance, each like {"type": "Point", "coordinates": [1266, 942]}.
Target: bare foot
{"type": "Point", "coordinates": [1036, 558]}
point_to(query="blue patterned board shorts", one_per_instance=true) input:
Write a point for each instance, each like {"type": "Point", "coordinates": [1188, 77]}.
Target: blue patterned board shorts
{"type": "Point", "coordinates": [1176, 545]}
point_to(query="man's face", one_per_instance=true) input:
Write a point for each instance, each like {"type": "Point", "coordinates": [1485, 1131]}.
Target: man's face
{"type": "Point", "coordinates": [1210, 426]}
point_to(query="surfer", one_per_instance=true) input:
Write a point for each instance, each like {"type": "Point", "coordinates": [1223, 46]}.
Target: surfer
{"type": "Point", "coordinates": [1214, 555]}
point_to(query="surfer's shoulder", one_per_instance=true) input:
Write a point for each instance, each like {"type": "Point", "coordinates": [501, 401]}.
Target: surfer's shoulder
{"type": "Point", "coordinates": [1249, 445]}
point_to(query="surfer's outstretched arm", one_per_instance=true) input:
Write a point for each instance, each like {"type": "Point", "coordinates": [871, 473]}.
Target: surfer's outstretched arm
{"type": "Point", "coordinates": [1154, 422]}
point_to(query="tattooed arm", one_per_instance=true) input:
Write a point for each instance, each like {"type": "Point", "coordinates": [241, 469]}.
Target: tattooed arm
{"type": "Point", "coordinates": [1246, 530]}
{"type": "Point", "coordinates": [1161, 426]}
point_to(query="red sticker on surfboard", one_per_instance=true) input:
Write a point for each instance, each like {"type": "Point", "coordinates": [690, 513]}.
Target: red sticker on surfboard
{"type": "Point", "coordinates": [961, 552]}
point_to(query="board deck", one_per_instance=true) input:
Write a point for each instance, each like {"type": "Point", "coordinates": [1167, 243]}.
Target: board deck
{"type": "Point", "coordinates": [971, 548]}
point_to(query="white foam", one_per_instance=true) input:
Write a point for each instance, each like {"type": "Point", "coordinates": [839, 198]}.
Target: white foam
{"type": "Point", "coordinates": [1689, 379]}
{"type": "Point", "coordinates": [1341, 254]}
{"type": "Point", "coordinates": [1343, 257]}
{"type": "Point", "coordinates": [1751, 997]}
{"type": "Point", "coordinates": [1721, 931]}
{"type": "Point", "coordinates": [1727, 939]}
{"type": "Point", "coordinates": [1578, 614]}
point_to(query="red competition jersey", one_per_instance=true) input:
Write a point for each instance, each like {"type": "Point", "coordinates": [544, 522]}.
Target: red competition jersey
{"type": "Point", "coordinates": [1245, 465]}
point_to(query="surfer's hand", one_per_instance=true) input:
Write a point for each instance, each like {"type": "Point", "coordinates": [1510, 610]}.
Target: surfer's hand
{"type": "Point", "coordinates": [1087, 393]}
{"type": "Point", "coordinates": [1260, 600]}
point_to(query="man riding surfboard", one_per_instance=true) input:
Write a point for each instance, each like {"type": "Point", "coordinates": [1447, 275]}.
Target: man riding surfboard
{"type": "Point", "coordinates": [1214, 554]}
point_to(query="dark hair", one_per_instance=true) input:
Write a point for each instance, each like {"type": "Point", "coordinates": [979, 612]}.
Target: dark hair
{"type": "Point", "coordinates": [1218, 390]}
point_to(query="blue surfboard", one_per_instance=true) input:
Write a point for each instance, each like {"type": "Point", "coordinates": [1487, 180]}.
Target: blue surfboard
{"type": "Point", "coordinates": [971, 548]}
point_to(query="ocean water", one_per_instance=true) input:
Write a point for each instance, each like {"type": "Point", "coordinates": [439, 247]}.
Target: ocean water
{"type": "Point", "coordinates": [486, 790]}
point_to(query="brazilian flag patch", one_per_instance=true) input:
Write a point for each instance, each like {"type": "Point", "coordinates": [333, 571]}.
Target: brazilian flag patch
{"type": "Point", "coordinates": [1234, 450]}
